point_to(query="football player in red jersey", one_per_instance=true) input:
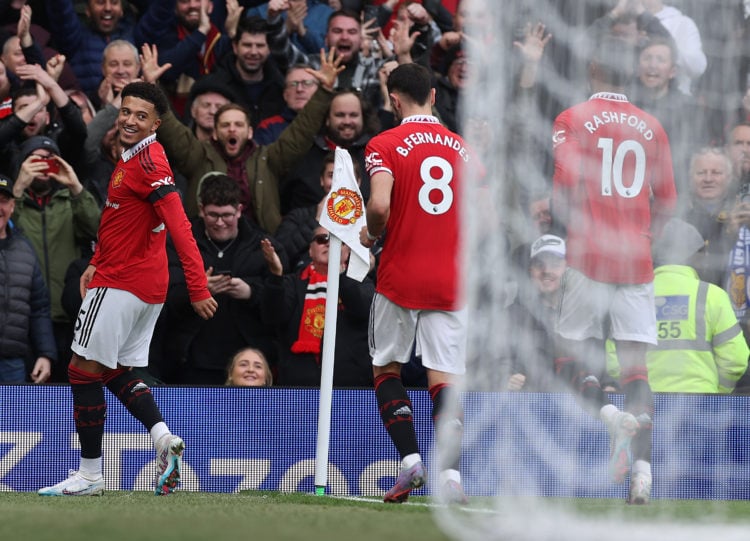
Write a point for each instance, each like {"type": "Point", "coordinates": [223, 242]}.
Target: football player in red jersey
{"type": "Point", "coordinates": [415, 170]}
{"type": "Point", "coordinates": [124, 288]}
{"type": "Point", "coordinates": [613, 187]}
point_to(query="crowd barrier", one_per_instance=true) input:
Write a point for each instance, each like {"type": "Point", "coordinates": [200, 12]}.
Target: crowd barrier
{"type": "Point", "coordinates": [264, 439]}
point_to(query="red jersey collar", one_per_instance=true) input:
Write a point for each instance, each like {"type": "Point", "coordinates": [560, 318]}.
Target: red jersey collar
{"type": "Point", "coordinates": [136, 148]}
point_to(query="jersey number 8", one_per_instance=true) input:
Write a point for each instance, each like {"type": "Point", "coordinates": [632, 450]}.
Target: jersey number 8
{"type": "Point", "coordinates": [440, 184]}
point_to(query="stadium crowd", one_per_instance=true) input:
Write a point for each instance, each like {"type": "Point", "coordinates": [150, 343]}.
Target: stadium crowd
{"type": "Point", "coordinates": [250, 137]}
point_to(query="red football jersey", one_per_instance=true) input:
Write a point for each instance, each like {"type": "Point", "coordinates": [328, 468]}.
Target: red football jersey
{"type": "Point", "coordinates": [419, 264]}
{"type": "Point", "coordinates": [613, 172]}
{"type": "Point", "coordinates": [131, 248]}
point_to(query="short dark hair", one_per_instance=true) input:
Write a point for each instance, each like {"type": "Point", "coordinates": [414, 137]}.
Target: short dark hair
{"type": "Point", "coordinates": [615, 60]}
{"type": "Point", "coordinates": [147, 92]}
{"type": "Point", "coordinates": [251, 25]}
{"type": "Point", "coordinates": [220, 190]}
{"type": "Point", "coordinates": [667, 41]}
{"type": "Point", "coordinates": [231, 107]}
{"type": "Point", "coordinates": [413, 81]}
{"type": "Point", "coordinates": [343, 13]}
{"type": "Point", "coordinates": [21, 91]}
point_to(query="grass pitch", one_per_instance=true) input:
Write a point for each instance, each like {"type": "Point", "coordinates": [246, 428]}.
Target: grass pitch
{"type": "Point", "coordinates": [273, 516]}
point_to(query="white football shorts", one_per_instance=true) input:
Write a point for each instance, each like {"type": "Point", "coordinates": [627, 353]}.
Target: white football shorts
{"type": "Point", "coordinates": [440, 336]}
{"type": "Point", "coordinates": [585, 305]}
{"type": "Point", "coordinates": [114, 327]}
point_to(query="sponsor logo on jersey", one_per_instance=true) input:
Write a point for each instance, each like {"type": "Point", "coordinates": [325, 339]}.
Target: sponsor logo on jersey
{"type": "Point", "coordinates": [166, 181]}
{"type": "Point", "coordinates": [558, 137]}
{"type": "Point", "coordinates": [344, 206]}
{"type": "Point", "coordinates": [117, 178]}
{"type": "Point", "coordinates": [373, 159]}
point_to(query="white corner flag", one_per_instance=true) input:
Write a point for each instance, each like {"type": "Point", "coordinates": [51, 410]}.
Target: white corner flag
{"type": "Point", "coordinates": [344, 214]}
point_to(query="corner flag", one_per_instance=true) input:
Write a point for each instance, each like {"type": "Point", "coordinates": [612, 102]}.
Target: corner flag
{"type": "Point", "coordinates": [344, 214]}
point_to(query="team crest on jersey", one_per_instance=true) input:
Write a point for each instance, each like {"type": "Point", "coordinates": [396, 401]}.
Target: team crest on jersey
{"type": "Point", "coordinates": [117, 178]}
{"type": "Point", "coordinates": [344, 206]}
{"type": "Point", "coordinates": [373, 159]}
{"type": "Point", "coordinates": [314, 320]}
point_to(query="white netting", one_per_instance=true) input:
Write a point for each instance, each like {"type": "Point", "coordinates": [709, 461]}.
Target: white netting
{"type": "Point", "coordinates": [509, 441]}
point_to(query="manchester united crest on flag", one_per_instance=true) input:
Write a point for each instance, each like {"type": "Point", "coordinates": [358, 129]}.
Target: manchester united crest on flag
{"type": "Point", "coordinates": [344, 214]}
{"type": "Point", "coordinates": [344, 206]}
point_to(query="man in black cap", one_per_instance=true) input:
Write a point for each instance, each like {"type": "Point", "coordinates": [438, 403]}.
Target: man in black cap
{"type": "Point", "coordinates": [206, 96]}
{"type": "Point", "coordinates": [60, 218]}
{"type": "Point", "coordinates": [26, 330]}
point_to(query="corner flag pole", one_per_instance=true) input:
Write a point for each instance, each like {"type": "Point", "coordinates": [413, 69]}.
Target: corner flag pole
{"type": "Point", "coordinates": [343, 217]}
{"type": "Point", "coordinates": [326, 372]}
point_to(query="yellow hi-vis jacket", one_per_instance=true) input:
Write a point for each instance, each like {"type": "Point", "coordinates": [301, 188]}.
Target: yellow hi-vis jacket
{"type": "Point", "coordinates": [701, 347]}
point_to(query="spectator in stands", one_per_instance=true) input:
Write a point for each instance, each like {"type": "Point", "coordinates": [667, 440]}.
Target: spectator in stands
{"type": "Point", "coordinates": [205, 98]}
{"type": "Point", "coordinates": [192, 44]}
{"type": "Point", "coordinates": [350, 124]}
{"type": "Point", "coordinates": [419, 25]}
{"type": "Point", "coordinates": [230, 246]}
{"type": "Point", "coordinates": [712, 201]}
{"type": "Point", "coordinates": [700, 348]}
{"type": "Point", "coordinates": [679, 114]}
{"type": "Point", "coordinates": [60, 218]}
{"type": "Point", "coordinates": [249, 368]}
{"type": "Point", "coordinates": [102, 151]}
{"type": "Point", "coordinates": [251, 73]}
{"type": "Point", "coordinates": [538, 220]}
{"type": "Point", "coordinates": [691, 60]}
{"type": "Point", "coordinates": [231, 151]}
{"type": "Point", "coordinates": [454, 35]}
{"type": "Point", "coordinates": [628, 20]}
{"type": "Point", "coordinates": [30, 118]}
{"type": "Point", "coordinates": [20, 49]}
{"type": "Point", "coordinates": [448, 88]}
{"type": "Point", "coordinates": [120, 66]}
{"type": "Point", "coordinates": [305, 22]}
{"type": "Point", "coordinates": [344, 35]}
{"type": "Point", "coordinates": [26, 329]}
{"type": "Point", "coordinates": [738, 147]}
{"type": "Point", "coordinates": [299, 87]}
{"type": "Point", "coordinates": [83, 43]}
{"type": "Point", "coordinates": [88, 111]}
{"type": "Point", "coordinates": [533, 350]}
{"type": "Point", "coordinates": [6, 102]}
{"type": "Point", "coordinates": [294, 304]}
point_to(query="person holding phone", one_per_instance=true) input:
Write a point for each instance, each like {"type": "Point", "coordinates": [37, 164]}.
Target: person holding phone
{"type": "Point", "coordinates": [195, 351]}
{"type": "Point", "coordinates": [60, 217]}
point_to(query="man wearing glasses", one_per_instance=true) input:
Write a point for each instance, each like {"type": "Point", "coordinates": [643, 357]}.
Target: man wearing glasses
{"type": "Point", "coordinates": [196, 351]}
{"type": "Point", "coordinates": [299, 87]}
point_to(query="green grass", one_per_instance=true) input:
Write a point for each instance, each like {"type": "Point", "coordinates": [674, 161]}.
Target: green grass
{"type": "Point", "coordinates": [272, 516]}
{"type": "Point", "coordinates": [262, 516]}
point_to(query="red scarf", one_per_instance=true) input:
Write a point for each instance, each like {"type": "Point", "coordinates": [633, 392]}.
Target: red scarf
{"type": "Point", "coordinates": [313, 317]}
{"type": "Point", "coordinates": [206, 56]}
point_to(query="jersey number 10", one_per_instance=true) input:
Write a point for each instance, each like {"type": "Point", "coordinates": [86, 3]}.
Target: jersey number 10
{"type": "Point", "coordinates": [612, 167]}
